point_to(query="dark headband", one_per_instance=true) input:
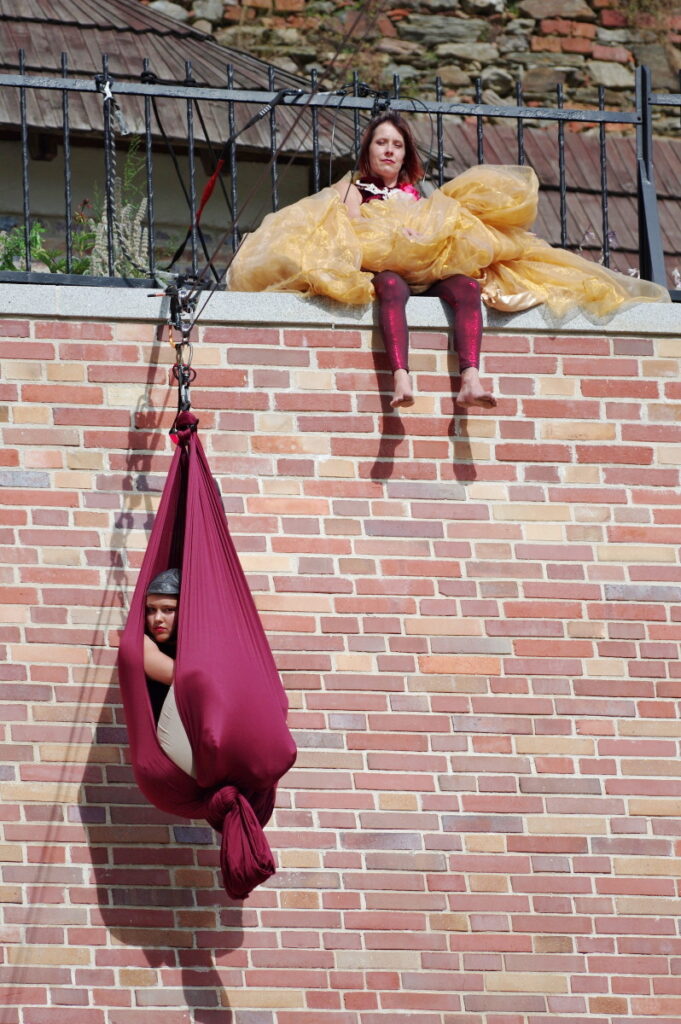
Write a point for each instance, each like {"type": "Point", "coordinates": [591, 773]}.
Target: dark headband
{"type": "Point", "coordinates": [167, 582]}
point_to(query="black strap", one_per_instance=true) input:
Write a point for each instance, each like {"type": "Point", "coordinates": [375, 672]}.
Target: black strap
{"type": "Point", "coordinates": [210, 184]}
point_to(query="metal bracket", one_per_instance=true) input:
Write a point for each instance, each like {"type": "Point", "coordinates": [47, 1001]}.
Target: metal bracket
{"type": "Point", "coordinates": [182, 306]}
{"type": "Point", "coordinates": [183, 297]}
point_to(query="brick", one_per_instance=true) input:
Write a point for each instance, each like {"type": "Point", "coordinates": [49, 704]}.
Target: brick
{"type": "Point", "coordinates": [556, 26]}
{"type": "Point", "coordinates": [634, 553]}
{"type": "Point", "coordinates": [539, 44]}
{"type": "Point", "coordinates": [526, 982]}
{"type": "Point", "coordinates": [613, 19]}
{"type": "Point", "coordinates": [636, 455]}
{"type": "Point", "coordinates": [15, 328]}
{"type": "Point", "coordinates": [37, 437]}
{"type": "Point", "coordinates": [72, 395]}
{"type": "Point", "coordinates": [29, 350]}
{"type": "Point", "coordinates": [578, 44]}
{"type": "Point", "coordinates": [533, 453]}
{"type": "Point", "coordinates": [620, 54]}
{"type": "Point", "coordinates": [71, 330]}
{"type": "Point", "coordinates": [480, 642]}
{"type": "Point", "coordinates": [618, 387]}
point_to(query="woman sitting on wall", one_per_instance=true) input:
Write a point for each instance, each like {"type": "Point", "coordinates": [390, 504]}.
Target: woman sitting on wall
{"type": "Point", "coordinates": [389, 166]}
{"type": "Point", "coordinates": [469, 237]}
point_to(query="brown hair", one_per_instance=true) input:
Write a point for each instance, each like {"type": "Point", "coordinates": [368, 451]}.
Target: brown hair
{"type": "Point", "coordinates": [412, 169]}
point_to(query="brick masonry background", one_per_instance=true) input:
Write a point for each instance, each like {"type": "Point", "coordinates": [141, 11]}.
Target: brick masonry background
{"type": "Point", "coordinates": [540, 44]}
{"type": "Point", "coordinates": [477, 622]}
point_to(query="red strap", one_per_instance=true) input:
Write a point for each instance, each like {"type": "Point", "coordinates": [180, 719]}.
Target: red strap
{"type": "Point", "coordinates": [208, 190]}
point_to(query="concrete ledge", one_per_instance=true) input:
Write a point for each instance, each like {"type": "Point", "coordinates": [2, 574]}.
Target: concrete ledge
{"type": "Point", "coordinates": [277, 308]}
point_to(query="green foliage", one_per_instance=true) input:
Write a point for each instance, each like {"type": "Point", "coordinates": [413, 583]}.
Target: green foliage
{"type": "Point", "coordinates": [13, 250]}
{"type": "Point", "coordinates": [82, 240]}
{"type": "Point", "coordinates": [130, 238]}
{"type": "Point", "coordinates": [13, 246]}
{"type": "Point", "coordinates": [89, 232]}
{"type": "Point", "coordinates": [132, 178]}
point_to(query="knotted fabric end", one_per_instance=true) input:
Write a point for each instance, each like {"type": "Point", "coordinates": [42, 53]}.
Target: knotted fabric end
{"type": "Point", "coordinates": [245, 856]}
{"type": "Point", "coordinates": [184, 426]}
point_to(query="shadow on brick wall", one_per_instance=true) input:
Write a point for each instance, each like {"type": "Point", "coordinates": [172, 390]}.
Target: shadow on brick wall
{"type": "Point", "coordinates": [396, 446]}
{"type": "Point", "coordinates": [155, 884]}
{"type": "Point", "coordinates": [155, 877]}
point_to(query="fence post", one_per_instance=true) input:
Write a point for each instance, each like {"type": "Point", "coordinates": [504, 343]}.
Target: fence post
{"type": "Point", "coordinates": [651, 255]}
{"type": "Point", "coordinates": [25, 166]}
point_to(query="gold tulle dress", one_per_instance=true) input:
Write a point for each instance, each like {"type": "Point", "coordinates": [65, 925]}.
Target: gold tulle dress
{"type": "Point", "coordinates": [477, 224]}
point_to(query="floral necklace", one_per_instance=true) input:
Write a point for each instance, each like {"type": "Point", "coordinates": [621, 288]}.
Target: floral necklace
{"type": "Point", "coordinates": [374, 190]}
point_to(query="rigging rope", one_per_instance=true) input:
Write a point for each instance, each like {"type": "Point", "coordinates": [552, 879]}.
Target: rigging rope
{"type": "Point", "coordinates": [210, 184]}
{"type": "Point", "coordinates": [114, 118]}
{"type": "Point", "coordinates": [371, 15]}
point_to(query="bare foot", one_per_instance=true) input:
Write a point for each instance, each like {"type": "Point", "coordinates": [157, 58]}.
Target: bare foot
{"type": "Point", "coordinates": [472, 391]}
{"type": "Point", "coordinates": [403, 394]}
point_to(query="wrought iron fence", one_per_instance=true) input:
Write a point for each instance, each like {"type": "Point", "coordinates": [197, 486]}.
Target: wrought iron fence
{"type": "Point", "coordinates": [318, 129]}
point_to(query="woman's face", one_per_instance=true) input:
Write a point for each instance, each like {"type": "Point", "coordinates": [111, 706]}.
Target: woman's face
{"type": "Point", "coordinates": [160, 616]}
{"type": "Point", "coordinates": [386, 152]}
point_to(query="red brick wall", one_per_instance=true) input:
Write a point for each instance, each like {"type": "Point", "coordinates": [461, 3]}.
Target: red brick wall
{"type": "Point", "coordinates": [477, 622]}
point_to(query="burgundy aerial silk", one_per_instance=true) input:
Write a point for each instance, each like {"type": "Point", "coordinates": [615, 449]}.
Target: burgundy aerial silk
{"type": "Point", "coordinates": [227, 688]}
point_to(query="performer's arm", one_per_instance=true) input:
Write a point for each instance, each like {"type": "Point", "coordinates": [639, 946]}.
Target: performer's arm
{"type": "Point", "coordinates": [157, 665]}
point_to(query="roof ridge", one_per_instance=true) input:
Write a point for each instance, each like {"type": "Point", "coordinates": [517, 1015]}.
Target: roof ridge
{"type": "Point", "coordinates": [187, 33]}
{"type": "Point", "coordinates": [86, 14]}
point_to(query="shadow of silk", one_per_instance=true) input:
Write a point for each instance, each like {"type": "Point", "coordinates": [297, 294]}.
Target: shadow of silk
{"type": "Point", "coordinates": [157, 884]}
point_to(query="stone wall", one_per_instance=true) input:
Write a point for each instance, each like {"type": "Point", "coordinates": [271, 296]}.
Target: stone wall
{"type": "Point", "coordinates": [580, 44]}
{"type": "Point", "coordinates": [477, 622]}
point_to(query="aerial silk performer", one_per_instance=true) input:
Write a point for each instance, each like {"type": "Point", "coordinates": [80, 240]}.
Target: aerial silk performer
{"type": "Point", "coordinates": [223, 700]}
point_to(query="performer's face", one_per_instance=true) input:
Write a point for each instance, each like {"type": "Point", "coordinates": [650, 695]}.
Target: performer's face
{"type": "Point", "coordinates": [161, 612]}
{"type": "Point", "coordinates": [386, 152]}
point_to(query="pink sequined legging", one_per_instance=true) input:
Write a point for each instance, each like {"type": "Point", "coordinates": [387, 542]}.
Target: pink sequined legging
{"type": "Point", "coordinates": [461, 293]}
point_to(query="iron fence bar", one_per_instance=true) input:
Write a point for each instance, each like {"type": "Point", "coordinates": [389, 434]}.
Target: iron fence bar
{"type": "Point", "coordinates": [439, 123]}
{"type": "Point", "coordinates": [478, 123]}
{"type": "Point", "coordinates": [355, 116]}
{"type": "Point", "coordinates": [603, 157]}
{"type": "Point", "coordinates": [149, 167]}
{"type": "Point", "coordinates": [659, 99]}
{"type": "Point", "coordinates": [520, 128]}
{"type": "Point", "coordinates": [656, 98]}
{"type": "Point", "coordinates": [407, 106]}
{"type": "Point", "coordinates": [274, 170]}
{"type": "Point", "coordinates": [233, 186]}
{"type": "Point", "coordinates": [561, 169]}
{"type": "Point", "coordinates": [314, 115]}
{"type": "Point", "coordinates": [663, 100]}
{"type": "Point", "coordinates": [355, 103]}
{"type": "Point", "coordinates": [109, 183]}
{"type": "Point", "coordinates": [397, 84]}
{"type": "Point", "coordinates": [25, 180]}
{"type": "Point", "coordinates": [191, 168]}
{"type": "Point", "coordinates": [68, 198]}
{"type": "Point", "coordinates": [651, 253]}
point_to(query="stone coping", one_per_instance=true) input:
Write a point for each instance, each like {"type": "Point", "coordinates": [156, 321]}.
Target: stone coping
{"type": "Point", "coordinates": [279, 309]}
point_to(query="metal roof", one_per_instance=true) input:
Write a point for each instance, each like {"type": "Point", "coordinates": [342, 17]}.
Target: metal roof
{"type": "Point", "coordinates": [128, 32]}
{"type": "Point", "coordinates": [583, 180]}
